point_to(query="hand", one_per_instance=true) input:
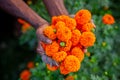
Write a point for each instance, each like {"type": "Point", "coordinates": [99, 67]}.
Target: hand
{"type": "Point", "coordinates": [40, 50]}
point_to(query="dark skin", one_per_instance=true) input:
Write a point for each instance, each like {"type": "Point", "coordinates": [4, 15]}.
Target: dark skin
{"type": "Point", "coordinates": [19, 9]}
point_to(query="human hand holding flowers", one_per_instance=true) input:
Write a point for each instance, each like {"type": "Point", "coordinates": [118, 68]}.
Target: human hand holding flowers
{"type": "Point", "coordinates": [40, 50]}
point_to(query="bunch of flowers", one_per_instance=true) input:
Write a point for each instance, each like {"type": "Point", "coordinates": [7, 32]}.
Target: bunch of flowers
{"type": "Point", "coordinates": [70, 37]}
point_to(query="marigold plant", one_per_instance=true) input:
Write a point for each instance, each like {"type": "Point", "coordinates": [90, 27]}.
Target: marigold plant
{"type": "Point", "coordinates": [108, 19]}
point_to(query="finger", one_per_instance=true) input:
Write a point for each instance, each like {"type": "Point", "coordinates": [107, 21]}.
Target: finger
{"type": "Point", "coordinates": [49, 60]}
{"type": "Point", "coordinates": [44, 39]}
{"type": "Point", "coordinates": [40, 49]}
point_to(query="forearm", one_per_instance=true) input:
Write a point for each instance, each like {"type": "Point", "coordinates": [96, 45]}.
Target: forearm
{"type": "Point", "coordinates": [19, 9]}
{"type": "Point", "coordinates": [55, 7]}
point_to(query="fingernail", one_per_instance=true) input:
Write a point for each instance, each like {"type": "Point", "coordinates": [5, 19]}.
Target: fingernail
{"type": "Point", "coordinates": [49, 41]}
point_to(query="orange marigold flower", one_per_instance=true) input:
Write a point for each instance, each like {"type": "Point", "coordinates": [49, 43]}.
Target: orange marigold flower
{"type": "Point", "coordinates": [108, 19]}
{"type": "Point", "coordinates": [75, 37]}
{"type": "Point", "coordinates": [30, 64]}
{"type": "Point", "coordinates": [25, 27]}
{"type": "Point", "coordinates": [52, 48]}
{"type": "Point", "coordinates": [67, 46]}
{"type": "Point", "coordinates": [70, 23]}
{"type": "Point", "coordinates": [49, 32]}
{"type": "Point", "coordinates": [83, 16]}
{"type": "Point", "coordinates": [63, 70]}
{"type": "Point", "coordinates": [69, 78]}
{"type": "Point", "coordinates": [21, 21]}
{"type": "Point", "coordinates": [76, 51]}
{"type": "Point", "coordinates": [72, 63]}
{"type": "Point", "coordinates": [59, 56]}
{"type": "Point", "coordinates": [87, 27]}
{"type": "Point", "coordinates": [56, 19]}
{"type": "Point", "coordinates": [87, 39]}
{"type": "Point", "coordinates": [51, 68]}
{"type": "Point", "coordinates": [25, 75]}
{"type": "Point", "coordinates": [63, 33]}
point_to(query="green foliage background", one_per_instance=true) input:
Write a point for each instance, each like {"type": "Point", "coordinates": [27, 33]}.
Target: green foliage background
{"type": "Point", "coordinates": [103, 62]}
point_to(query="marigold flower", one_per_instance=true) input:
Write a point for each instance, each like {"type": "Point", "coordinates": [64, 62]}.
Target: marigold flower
{"type": "Point", "coordinates": [87, 27]}
{"type": "Point", "coordinates": [63, 33]}
{"type": "Point", "coordinates": [59, 56]}
{"type": "Point", "coordinates": [56, 19]}
{"type": "Point", "coordinates": [67, 46]}
{"type": "Point", "coordinates": [21, 21]}
{"type": "Point", "coordinates": [69, 78]}
{"type": "Point", "coordinates": [75, 37]}
{"type": "Point", "coordinates": [76, 51]}
{"type": "Point", "coordinates": [25, 27]}
{"type": "Point", "coordinates": [25, 75]}
{"type": "Point", "coordinates": [49, 32]}
{"type": "Point", "coordinates": [70, 23]}
{"type": "Point", "coordinates": [50, 49]}
{"type": "Point", "coordinates": [83, 16]}
{"type": "Point", "coordinates": [30, 65]}
{"type": "Point", "coordinates": [87, 39]}
{"type": "Point", "coordinates": [72, 63]}
{"type": "Point", "coordinates": [63, 70]}
{"type": "Point", "coordinates": [51, 68]}
{"type": "Point", "coordinates": [108, 19]}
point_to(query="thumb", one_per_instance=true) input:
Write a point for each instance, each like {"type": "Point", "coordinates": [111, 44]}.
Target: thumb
{"type": "Point", "coordinates": [44, 39]}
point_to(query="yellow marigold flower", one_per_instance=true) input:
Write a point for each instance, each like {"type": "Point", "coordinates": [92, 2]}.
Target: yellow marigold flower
{"type": "Point", "coordinates": [87, 39]}
{"type": "Point", "coordinates": [76, 51]}
{"type": "Point", "coordinates": [25, 75]}
{"type": "Point", "coordinates": [75, 37]}
{"type": "Point", "coordinates": [108, 19]}
{"type": "Point", "coordinates": [63, 33]}
{"type": "Point", "coordinates": [67, 47]}
{"type": "Point", "coordinates": [69, 78]}
{"type": "Point", "coordinates": [50, 49]}
{"type": "Point", "coordinates": [72, 63]}
{"type": "Point", "coordinates": [83, 16]}
{"type": "Point", "coordinates": [59, 56]}
{"type": "Point", "coordinates": [63, 70]}
{"type": "Point", "coordinates": [30, 64]}
{"type": "Point", "coordinates": [49, 32]}
{"type": "Point", "coordinates": [51, 68]}
{"type": "Point", "coordinates": [87, 27]}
